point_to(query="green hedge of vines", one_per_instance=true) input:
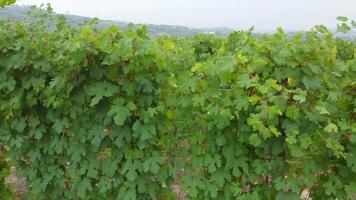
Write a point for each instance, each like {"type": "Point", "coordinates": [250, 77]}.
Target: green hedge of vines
{"type": "Point", "coordinates": [113, 114]}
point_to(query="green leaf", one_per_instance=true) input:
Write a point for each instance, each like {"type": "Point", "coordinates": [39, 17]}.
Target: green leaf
{"type": "Point", "coordinates": [291, 137]}
{"type": "Point", "coordinates": [198, 67]}
{"type": "Point", "coordinates": [273, 83]}
{"type": "Point", "coordinates": [104, 185]}
{"type": "Point", "coordinates": [224, 67]}
{"type": "Point", "coordinates": [353, 23]}
{"type": "Point", "coordinates": [330, 188]}
{"type": "Point", "coordinates": [77, 151]}
{"type": "Point", "coordinates": [236, 189]}
{"type": "Point", "coordinates": [60, 125]}
{"type": "Point", "coordinates": [84, 187]}
{"type": "Point", "coordinates": [331, 128]}
{"type": "Point", "coordinates": [300, 96]}
{"type": "Point", "coordinates": [109, 167]}
{"type": "Point", "coordinates": [120, 111]}
{"type": "Point", "coordinates": [351, 189]}
{"type": "Point", "coordinates": [343, 28]}
{"type": "Point", "coordinates": [19, 125]}
{"type": "Point", "coordinates": [121, 50]}
{"type": "Point", "coordinates": [242, 59]}
{"type": "Point", "coordinates": [342, 19]}
{"type": "Point", "coordinates": [279, 183]}
{"type": "Point", "coordinates": [152, 164]}
{"type": "Point", "coordinates": [254, 140]}
{"type": "Point", "coordinates": [221, 141]}
{"type": "Point", "coordinates": [293, 113]}
{"type": "Point", "coordinates": [100, 90]}
{"type": "Point", "coordinates": [312, 83]}
{"type": "Point", "coordinates": [254, 99]}
{"type": "Point", "coordinates": [275, 132]}
{"type": "Point", "coordinates": [322, 110]}
{"type": "Point", "coordinates": [351, 161]}
{"type": "Point", "coordinates": [305, 141]}
{"type": "Point", "coordinates": [274, 110]}
{"type": "Point", "coordinates": [129, 169]}
{"type": "Point", "coordinates": [93, 167]}
{"type": "Point", "coordinates": [244, 81]}
{"type": "Point", "coordinates": [353, 138]}
{"type": "Point", "coordinates": [321, 28]}
{"type": "Point", "coordinates": [219, 177]}
{"type": "Point", "coordinates": [210, 163]}
{"type": "Point", "coordinates": [144, 131]}
{"type": "Point", "coordinates": [131, 174]}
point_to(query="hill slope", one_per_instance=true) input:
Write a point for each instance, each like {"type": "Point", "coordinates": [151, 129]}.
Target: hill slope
{"type": "Point", "coordinates": [19, 13]}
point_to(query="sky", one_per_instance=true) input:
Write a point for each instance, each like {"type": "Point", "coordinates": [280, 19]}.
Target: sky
{"type": "Point", "coordinates": [236, 14]}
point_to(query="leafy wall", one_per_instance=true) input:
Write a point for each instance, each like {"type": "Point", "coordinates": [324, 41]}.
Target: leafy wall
{"type": "Point", "coordinates": [111, 114]}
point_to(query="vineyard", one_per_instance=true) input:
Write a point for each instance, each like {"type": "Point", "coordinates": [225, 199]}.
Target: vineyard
{"type": "Point", "coordinates": [114, 114]}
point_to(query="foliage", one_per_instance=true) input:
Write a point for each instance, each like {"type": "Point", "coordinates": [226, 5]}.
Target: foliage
{"type": "Point", "coordinates": [205, 46]}
{"type": "Point", "coordinates": [4, 172]}
{"type": "Point", "coordinates": [6, 2]}
{"type": "Point", "coordinates": [345, 24]}
{"type": "Point", "coordinates": [112, 114]}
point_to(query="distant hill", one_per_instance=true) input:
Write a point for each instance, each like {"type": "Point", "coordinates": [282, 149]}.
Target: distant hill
{"type": "Point", "coordinates": [19, 13]}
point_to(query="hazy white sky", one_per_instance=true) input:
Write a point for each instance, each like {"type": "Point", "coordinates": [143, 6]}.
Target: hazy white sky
{"type": "Point", "coordinates": [263, 14]}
